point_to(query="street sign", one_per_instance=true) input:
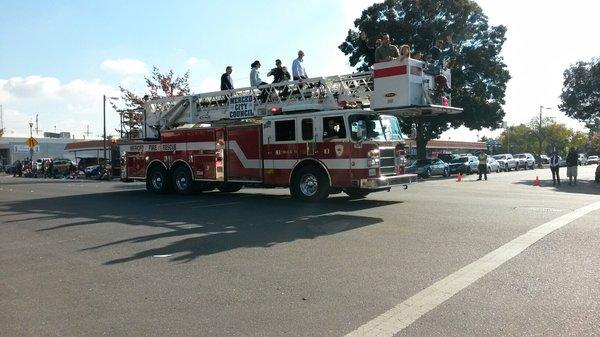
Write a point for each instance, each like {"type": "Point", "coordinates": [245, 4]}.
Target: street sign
{"type": "Point", "coordinates": [31, 142]}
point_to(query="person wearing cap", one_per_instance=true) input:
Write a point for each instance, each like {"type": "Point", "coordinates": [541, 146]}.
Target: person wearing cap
{"type": "Point", "coordinates": [298, 71]}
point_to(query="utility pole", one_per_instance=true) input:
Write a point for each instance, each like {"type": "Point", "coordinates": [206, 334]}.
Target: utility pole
{"type": "Point", "coordinates": [540, 136]}
{"type": "Point", "coordinates": [36, 125]}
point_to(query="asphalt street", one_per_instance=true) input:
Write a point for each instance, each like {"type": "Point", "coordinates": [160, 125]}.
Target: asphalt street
{"type": "Point", "coordinates": [87, 258]}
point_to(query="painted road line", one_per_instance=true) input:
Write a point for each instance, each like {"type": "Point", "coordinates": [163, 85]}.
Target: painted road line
{"type": "Point", "coordinates": [405, 313]}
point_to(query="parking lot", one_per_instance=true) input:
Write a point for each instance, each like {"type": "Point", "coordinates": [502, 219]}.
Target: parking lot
{"type": "Point", "coordinates": [107, 258]}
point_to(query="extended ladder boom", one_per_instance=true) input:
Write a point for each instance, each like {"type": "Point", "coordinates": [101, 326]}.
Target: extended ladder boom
{"type": "Point", "coordinates": [395, 87]}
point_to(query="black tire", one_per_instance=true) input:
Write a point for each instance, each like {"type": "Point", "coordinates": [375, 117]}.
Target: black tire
{"type": "Point", "coordinates": [356, 193]}
{"type": "Point", "coordinates": [488, 170]}
{"type": "Point", "coordinates": [158, 180]}
{"type": "Point", "coordinates": [446, 172]}
{"type": "Point", "coordinates": [230, 187]}
{"type": "Point", "coordinates": [310, 183]}
{"type": "Point", "coordinates": [182, 180]}
{"type": "Point", "coordinates": [427, 173]}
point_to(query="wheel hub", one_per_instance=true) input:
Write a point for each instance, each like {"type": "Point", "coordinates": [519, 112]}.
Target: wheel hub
{"type": "Point", "coordinates": [309, 185]}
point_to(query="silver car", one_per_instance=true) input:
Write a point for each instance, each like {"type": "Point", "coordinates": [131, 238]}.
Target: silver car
{"type": "Point", "coordinates": [493, 165]}
{"type": "Point", "coordinates": [506, 161]}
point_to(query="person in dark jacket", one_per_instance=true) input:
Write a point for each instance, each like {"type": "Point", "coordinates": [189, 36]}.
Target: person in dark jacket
{"type": "Point", "coordinates": [572, 161]}
{"type": "Point", "coordinates": [226, 82]}
{"type": "Point", "coordinates": [279, 73]}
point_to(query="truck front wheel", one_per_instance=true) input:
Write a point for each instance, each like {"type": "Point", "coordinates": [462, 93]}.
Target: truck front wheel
{"type": "Point", "coordinates": [310, 183]}
{"type": "Point", "coordinates": [157, 180]}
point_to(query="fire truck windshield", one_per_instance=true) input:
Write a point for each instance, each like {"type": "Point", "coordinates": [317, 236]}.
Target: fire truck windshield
{"type": "Point", "coordinates": [376, 127]}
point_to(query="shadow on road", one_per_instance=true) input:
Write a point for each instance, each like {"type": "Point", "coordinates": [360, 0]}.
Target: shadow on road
{"type": "Point", "coordinates": [582, 187]}
{"type": "Point", "coordinates": [198, 225]}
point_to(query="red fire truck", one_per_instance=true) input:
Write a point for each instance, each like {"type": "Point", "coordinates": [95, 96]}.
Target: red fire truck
{"type": "Point", "coordinates": [318, 136]}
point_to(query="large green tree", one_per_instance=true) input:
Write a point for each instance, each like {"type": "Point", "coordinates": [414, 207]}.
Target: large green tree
{"type": "Point", "coordinates": [479, 75]}
{"type": "Point", "coordinates": [158, 85]}
{"type": "Point", "coordinates": [581, 91]}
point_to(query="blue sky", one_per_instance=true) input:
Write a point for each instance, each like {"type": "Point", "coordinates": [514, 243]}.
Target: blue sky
{"type": "Point", "coordinates": [57, 58]}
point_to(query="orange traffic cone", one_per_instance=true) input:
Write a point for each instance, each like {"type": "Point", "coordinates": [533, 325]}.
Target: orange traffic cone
{"type": "Point", "coordinates": [536, 182]}
{"type": "Point", "coordinates": [458, 177]}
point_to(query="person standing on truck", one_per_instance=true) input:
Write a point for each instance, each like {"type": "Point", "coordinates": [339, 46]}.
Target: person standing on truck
{"type": "Point", "coordinates": [226, 82]}
{"type": "Point", "coordinates": [279, 73]}
{"type": "Point", "coordinates": [386, 52]}
{"type": "Point", "coordinates": [482, 167]}
{"type": "Point", "coordinates": [298, 71]}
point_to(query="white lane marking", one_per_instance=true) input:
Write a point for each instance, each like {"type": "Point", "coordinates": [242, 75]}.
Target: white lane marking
{"type": "Point", "coordinates": [404, 314]}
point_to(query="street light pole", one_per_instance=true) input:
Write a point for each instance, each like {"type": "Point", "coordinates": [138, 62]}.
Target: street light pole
{"type": "Point", "coordinates": [104, 126]}
{"type": "Point", "coordinates": [31, 136]}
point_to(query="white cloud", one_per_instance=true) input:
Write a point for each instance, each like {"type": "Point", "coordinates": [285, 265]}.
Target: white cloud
{"type": "Point", "coordinates": [62, 105]}
{"type": "Point", "coordinates": [191, 61]}
{"type": "Point", "coordinates": [125, 66]}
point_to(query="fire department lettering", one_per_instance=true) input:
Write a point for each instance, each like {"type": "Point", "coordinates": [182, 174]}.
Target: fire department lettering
{"type": "Point", "coordinates": [241, 107]}
{"type": "Point", "coordinates": [169, 147]}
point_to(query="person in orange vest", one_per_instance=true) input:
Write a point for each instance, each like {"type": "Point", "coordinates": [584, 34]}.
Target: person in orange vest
{"type": "Point", "coordinates": [482, 168]}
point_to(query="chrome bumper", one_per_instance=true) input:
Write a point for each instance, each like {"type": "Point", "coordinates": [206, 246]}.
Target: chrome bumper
{"type": "Point", "coordinates": [387, 181]}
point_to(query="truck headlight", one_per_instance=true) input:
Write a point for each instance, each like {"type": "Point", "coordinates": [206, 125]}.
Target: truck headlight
{"type": "Point", "coordinates": [373, 153]}
{"type": "Point", "coordinates": [373, 162]}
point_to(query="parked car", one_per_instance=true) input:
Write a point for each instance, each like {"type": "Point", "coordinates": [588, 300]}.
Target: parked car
{"type": "Point", "coordinates": [92, 171]}
{"type": "Point", "coordinates": [61, 166]}
{"type": "Point", "coordinates": [593, 160]}
{"type": "Point", "coordinates": [562, 162]}
{"type": "Point", "coordinates": [464, 165]}
{"type": "Point", "coordinates": [506, 161]}
{"type": "Point", "coordinates": [10, 169]}
{"type": "Point", "coordinates": [598, 174]}
{"type": "Point", "coordinates": [544, 159]}
{"type": "Point", "coordinates": [447, 158]}
{"type": "Point", "coordinates": [582, 159]}
{"type": "Point", "coordinates": [39, 161]}
{"type": "Point", "coordinates": [428, 167]}
{"type": "Point", "coordinates": [493, 165]}
{"type": "Point", "coordinates": [525, 161]}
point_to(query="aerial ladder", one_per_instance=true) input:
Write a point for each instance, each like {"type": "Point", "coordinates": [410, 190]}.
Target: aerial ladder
{"type": "Point", "coordinates": [398, 87]}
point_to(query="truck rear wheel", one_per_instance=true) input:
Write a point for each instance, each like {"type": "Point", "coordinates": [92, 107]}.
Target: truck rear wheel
{"type": "Point", "coordinates": [356, 193]}
{"type": "Point", "coordinates": [182, 180]}
{"type": "Point", "coordinates": [157, 180]}
{"type": "Point", "coordinates": [230, 187]}
{"type": "Point", "coordinates": [310, 183]}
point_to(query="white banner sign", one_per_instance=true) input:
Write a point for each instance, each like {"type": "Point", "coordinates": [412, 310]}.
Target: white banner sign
{"type": "Point", "coordinates": [241, 107]}
{"type": "Point", "coordinates": [25, 149]}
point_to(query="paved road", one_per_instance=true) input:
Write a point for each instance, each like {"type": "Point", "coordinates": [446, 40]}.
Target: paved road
{"type": "Point", "coordinates": [106, 258]}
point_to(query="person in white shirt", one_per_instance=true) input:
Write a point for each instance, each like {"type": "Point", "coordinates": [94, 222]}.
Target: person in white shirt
{"type": "Point", "coordinates": [255, 75]}
{"type": "Point", "coordinates": [298, 71]}
{"type": "Point", "coordinates": [554, 167]}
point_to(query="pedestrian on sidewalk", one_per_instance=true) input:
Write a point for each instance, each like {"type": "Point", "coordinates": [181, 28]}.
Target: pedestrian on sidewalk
{"type": "Point", "coordinates": [572, 162]}
{"type": "Point", "coordinates": [482, 168]}
{"type": "Point", "coordinates": [554, 168]}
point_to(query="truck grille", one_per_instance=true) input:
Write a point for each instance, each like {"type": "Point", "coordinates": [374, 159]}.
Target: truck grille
{"type": "Point", "coordinates": [387, 161]}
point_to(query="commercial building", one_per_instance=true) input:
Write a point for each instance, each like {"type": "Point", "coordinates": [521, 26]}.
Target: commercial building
{"type": "Point", "coordinates": [14, 148]}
